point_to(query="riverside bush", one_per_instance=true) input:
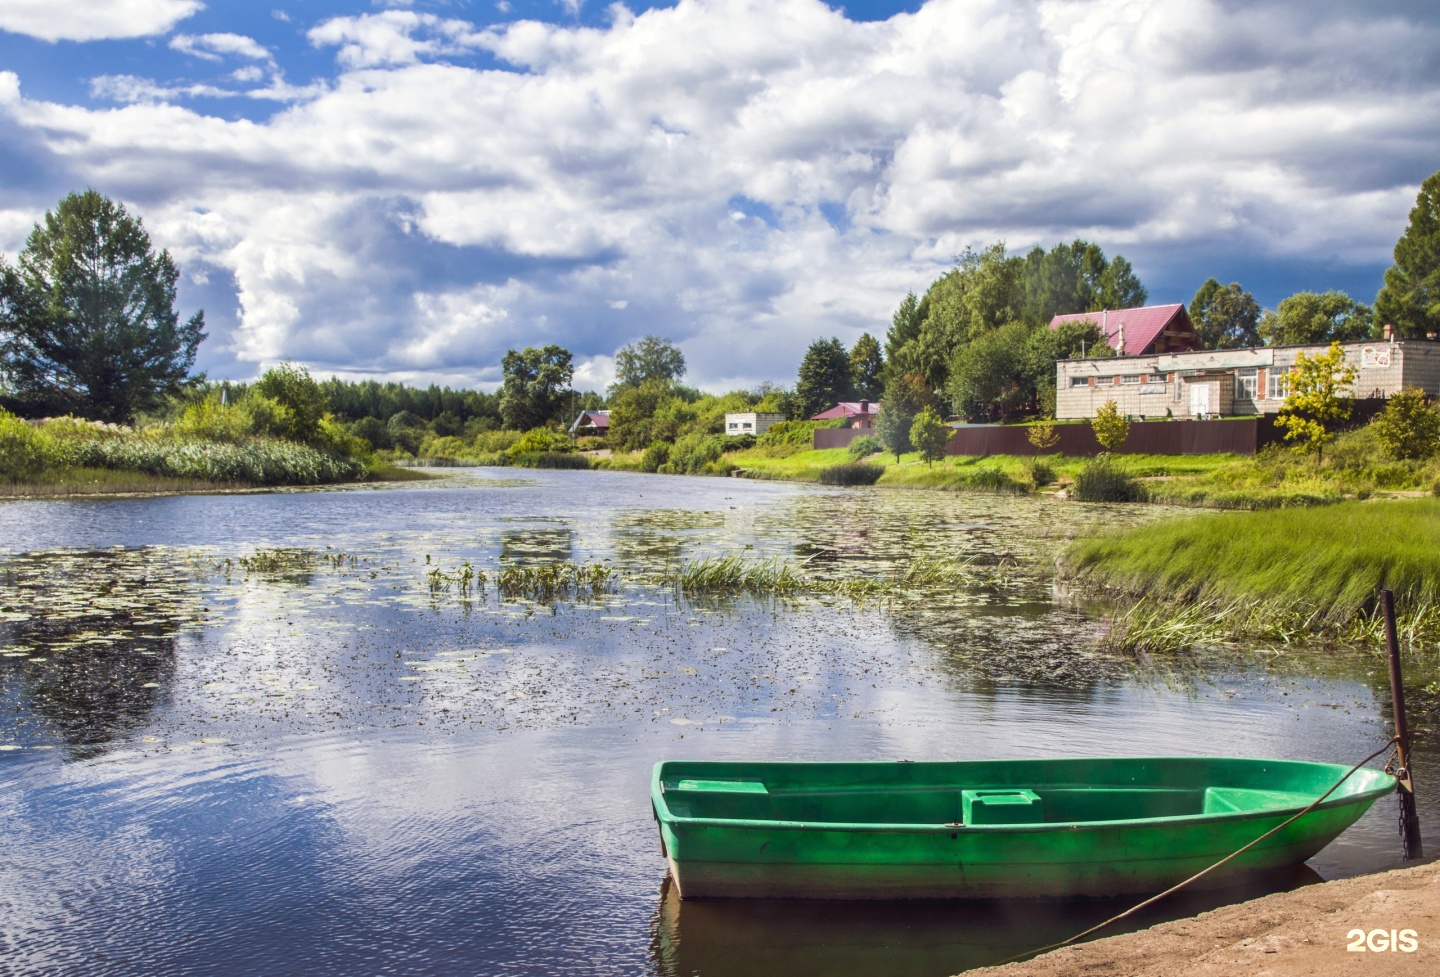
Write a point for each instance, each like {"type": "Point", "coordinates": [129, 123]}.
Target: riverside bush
{"type": "Point", "coordinates": [694, 453]}
{"type": "Point", "coordinates": [851, 473]}
{"type": "Point", "coordinates": [655, 455]}
{"type": "Point", "coordinates": [1040, 473]}
{"type": "Point", "coordinates": [24, 451]}
{"type": "Point", "coordinates": [864, 446]}
{"type": "Point", "coordinates": [542, 440]}
{"type": "Point", "coordinates": [1101, 480]}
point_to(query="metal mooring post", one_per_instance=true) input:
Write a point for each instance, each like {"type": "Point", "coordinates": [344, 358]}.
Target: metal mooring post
{"type": "Point", "coordinates": [1409, 822]}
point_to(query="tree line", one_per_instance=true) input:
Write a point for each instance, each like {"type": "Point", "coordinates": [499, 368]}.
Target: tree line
{"type": "Point", "coordinates": [88, 327]}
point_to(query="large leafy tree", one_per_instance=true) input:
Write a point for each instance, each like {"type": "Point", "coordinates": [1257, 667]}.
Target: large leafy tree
{"type": "Point", "coordinates": [867, 367]}
{"type": "Point", "coordinates": [1225, 316]}
{"type": "Point", "coordinates": [651, 358]}
{"type": "Point", "coordinates": [1410, 298]}
{"type": "Point", "coordinates": [824, 377]}
{"type": "Point", "coordinates": [87, 316]}
{"type": "Point", "coordinates": [536, 388]}
{"type": "Point", "coordinates": [1308, 318]}
{"type": "Point", "coordinates": [930, 434]}
{"type": "Point", "coordinates": [989, 377]}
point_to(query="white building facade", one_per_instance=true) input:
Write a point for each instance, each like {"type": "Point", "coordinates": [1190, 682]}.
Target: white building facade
{"type": "Point", "coordinates": [1228, 382]}
{"type": "Point", "coordinates": [757, 424]}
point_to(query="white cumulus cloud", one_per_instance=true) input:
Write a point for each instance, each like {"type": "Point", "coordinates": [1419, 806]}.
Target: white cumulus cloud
{"type": "Point", "coordinates": [747, 175]}
{"type": "Point", "coordinates": [93, 20]}
{"type": "Point", "coordinates": [215, 47]}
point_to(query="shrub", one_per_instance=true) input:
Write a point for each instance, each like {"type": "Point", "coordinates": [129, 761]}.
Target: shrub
{"type": "Point", "coordinates": [656, 455]}
{"type": "Point", "coordinates": [495, 442]}
{"type": "Point", "coordinates": [790, 434]}
{"type": "Point", "coordinates": [589, 443]}
{"type": "Point", "coordinates": [693, 452]}
{"type": "Point", "coordinates": [1040, 473]}
{"type": "Point", "coordinates": [542, 440]}
{"type": "Point", "coordinates": [301, 401]}
{"type": "Point", "coordinates": [24, 451]}
{"type": "Point", "coordinates": [1408, 428]}
{"type": "Point", "coordinates": [864, 446]}
{"type": "Point", "coordinates": [851, 473]}
{"type": "Point", "coordinates": [1101, 480]}
{"type": "Point", "coordinates": [739, 442]}
{"type": "Point", "coordinates": [208, 420]}
{"type": "Point", "coordinates": [991, 478]}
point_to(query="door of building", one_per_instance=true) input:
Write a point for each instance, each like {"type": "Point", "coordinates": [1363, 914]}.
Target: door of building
{"type": "Point", "coordinates": [1200, 399]}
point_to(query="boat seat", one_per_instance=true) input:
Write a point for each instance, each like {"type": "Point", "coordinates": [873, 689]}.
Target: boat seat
{"type": "Point", "coordinates": [720, 786]}
{"type": "Point", "coordinates": [1009, 805]}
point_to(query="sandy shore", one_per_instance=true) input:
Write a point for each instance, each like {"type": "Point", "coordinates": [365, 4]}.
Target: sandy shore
{"type": "Point", "coordinates": [1288, 934]}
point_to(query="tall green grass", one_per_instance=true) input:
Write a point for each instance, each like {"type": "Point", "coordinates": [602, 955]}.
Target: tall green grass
{"type": "Point", "coordinates": [1297, 569]}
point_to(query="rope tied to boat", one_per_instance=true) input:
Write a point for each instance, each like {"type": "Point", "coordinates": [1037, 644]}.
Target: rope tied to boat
{"type": "Point", "coordinates": [1393, 741]}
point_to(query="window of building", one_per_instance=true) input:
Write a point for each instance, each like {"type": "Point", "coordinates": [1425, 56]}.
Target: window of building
{"type": "Point", "coordinates": [1107, 380]}
{"type": "Point", "coordinates": [747, 425]}
{"type": "Point", "coordinates": [1156, 378]}
{"type": "Point", "coordinates": [1246, 384]}
{"type": "Point", "coordinates": [1079, 381]}
{"type": "Point", "coordinates": [1133, 378]}
{"type": "Point", "coordinates": [1277, 385]}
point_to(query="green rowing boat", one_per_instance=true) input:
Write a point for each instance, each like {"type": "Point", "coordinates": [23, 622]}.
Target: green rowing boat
{"type": "Point", "coordinates": [990, 828]}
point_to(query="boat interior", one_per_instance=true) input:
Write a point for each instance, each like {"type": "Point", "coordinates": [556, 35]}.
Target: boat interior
{"type": "Point", "coordinates": [753, 800]}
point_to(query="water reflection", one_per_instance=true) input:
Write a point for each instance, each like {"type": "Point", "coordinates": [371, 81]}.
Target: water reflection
{"type": "Point", "coordinates": [90, 642]}
{"type": "Point", "coordinates": [388, 746]}
{"type": "Point", "coordinates": [748, 938]}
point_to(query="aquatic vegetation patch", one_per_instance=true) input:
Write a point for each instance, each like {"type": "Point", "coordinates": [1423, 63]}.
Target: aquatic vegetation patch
{"type": "Point", "coordinates": [549, 582]}
{"type": "Point", "coordinates": [773, 577]}
{"type": "Point", "coordinates": [1274, 573]}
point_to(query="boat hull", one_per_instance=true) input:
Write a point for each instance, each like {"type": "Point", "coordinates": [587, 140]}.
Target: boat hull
{"type": "Point", "coordinates": [754, 841]}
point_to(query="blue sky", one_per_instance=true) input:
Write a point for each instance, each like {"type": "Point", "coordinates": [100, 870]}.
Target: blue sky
{"type": "Point", "coordinates": [404, 190]}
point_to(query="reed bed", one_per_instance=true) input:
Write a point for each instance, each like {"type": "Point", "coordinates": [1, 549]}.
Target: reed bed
{"type": "Point", "coordinates": [773, 577]}
{"type": "Point", "coordinates": [1277, 573]}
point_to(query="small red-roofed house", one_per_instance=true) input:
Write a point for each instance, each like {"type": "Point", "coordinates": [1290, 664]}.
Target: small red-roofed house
{"type": "Point", "coordinates": [856, 413]}
{"type": "Point", "coordinates": [1138, 332]}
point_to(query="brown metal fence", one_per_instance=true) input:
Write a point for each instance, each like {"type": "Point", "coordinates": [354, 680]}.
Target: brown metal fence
{"type": "Point", "coordinates": [1240, 435]}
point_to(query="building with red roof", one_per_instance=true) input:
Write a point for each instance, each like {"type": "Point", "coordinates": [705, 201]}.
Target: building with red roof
{"type": "Point", "coordinates": [1139, 332]}
{"type": "Point", "coordinates": [856, 413]}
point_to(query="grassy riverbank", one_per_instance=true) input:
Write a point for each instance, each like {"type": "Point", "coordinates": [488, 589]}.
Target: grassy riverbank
{"type": "Point", "coordinates": [1276, 574]}
{"type": "Point", "coordinates": [66, 457]}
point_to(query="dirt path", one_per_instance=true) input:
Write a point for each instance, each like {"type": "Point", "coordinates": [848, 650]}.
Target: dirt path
{"type": "Point", "coordinates": [1304, 932]}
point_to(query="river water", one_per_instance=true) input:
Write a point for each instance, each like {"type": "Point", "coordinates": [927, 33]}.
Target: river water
{"type": "Point", "coordinates": [324, 765]}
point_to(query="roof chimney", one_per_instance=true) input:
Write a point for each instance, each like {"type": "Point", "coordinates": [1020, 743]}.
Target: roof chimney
{"type": "Point", "coordinates": [1120, 340]}
{"type": "Point", "coordinates": [864, 406]}
{"type": "Point", "coordinates": [1389, 331]}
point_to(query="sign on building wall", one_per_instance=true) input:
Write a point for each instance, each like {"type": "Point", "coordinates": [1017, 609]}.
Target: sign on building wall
{"type": "Point", "coordinates": [1375, 356]}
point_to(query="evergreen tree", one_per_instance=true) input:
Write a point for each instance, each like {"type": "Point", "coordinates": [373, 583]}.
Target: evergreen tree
{"type": "Point", "coordinates": [1410, 298]}
{"type": "Point", "coordinates": [1225, 316]}
{"type": "Point", "coordinates": [87, 316]}
{"type": "Point", "coordinates": [824, 377]}
{"type": "Point", "coordinates": [905, 324]}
